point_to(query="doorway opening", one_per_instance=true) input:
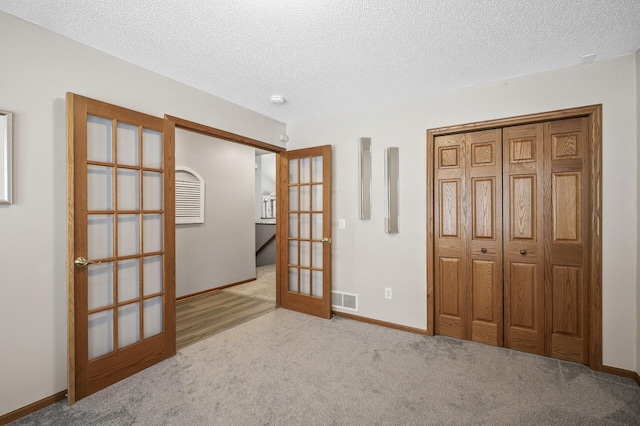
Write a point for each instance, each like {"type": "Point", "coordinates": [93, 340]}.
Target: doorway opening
{"type": "Point", "coordinates": [219, 284]}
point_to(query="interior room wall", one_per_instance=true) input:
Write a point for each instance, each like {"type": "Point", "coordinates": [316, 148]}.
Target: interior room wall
{"type": "Point", "coordinates": [38, 68]}
{"type": "Point", "coordinates": [265, 180]}
{"type": "Point", "coordinates": [221, 250]}
{"type": "Point", "coordinates": [638, 210]}
{"type": "Point", "coordinates": [365, 259]}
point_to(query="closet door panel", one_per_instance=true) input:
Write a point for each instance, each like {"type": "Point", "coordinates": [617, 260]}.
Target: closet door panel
{"type": "Point", "coordinates": [566, 253]}
{"type": "Point", "coordinates": [484, 220]}
{"type": "Point", "coordinates": [523, 239]}
{"type": "Point", "coordinates": [450, 237]}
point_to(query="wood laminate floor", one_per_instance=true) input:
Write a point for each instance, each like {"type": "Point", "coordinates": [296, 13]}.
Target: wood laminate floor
{"type": "Point", "coordinates": [203, 316]}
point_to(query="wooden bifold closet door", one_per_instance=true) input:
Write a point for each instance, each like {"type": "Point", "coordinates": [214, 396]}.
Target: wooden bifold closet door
{"type": "Point", "coordinates": [468, 248]}
{"type": "Point", "coordinates": [510, 234]}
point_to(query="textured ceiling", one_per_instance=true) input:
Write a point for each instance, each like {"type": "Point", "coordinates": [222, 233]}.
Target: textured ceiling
{"type": "Point", "coordinates": [331, 56]}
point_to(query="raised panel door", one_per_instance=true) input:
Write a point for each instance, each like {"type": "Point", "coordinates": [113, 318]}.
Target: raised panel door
{"type": "Point", "coordinates": [566, 255]}
{"type": "Point", "coordinates": [450, 237]}
{"type": "Point", "coordinates": [484, 250]}
{"type": "Point", "coordinates": [523, 238]}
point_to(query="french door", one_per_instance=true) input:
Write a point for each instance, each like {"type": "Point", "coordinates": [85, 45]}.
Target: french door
{"type": "Point", "coordinates": [120, 244]}
{"type": "Point", "coordinates": [304, 230]}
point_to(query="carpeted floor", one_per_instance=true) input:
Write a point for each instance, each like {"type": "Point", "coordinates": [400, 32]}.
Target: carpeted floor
{"type": "Point", "coordinates": [285, 368]}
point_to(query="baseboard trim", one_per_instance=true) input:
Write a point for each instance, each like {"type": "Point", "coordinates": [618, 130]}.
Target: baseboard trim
{"type": "Point", "coordinates": [380, 323]}
{"type": "Point", "coordinates": [211, 290]}
{"type": "Point", "coordinates": [32, 408]}
{"type": "Point", "coordinates": [622, 373]}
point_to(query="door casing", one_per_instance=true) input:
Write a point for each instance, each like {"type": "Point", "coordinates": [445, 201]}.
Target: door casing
{"type": "Point", "coordinates": [593, 114]}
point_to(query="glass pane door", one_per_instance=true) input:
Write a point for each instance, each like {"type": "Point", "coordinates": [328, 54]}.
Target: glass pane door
{"type": "Point", "coordinates": [124, 232]}
{"type": "Point", "coordinates": [306, 230]}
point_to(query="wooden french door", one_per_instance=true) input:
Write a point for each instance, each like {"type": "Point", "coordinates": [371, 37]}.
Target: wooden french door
{"type": "Point", "coordinates": [468, 235]}
{"type": "Point", "coordinates": [304, 230]}
{"type": "Point", "coordinates": [120, 244]}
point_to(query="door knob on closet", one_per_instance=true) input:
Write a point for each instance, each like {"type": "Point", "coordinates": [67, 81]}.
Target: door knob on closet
{"type": "Point", "coordinates": [484, 250]}
{"type": "Point", "coordinates": [523, 252]}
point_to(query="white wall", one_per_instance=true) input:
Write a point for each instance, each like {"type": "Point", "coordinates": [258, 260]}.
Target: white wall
{"type": "Point", "coordinates": [221, 250]}
{"type": "Point", "coordinates": [265, 180]}
{"type": "Point", "coordinates": [366, 260]}
{"type": "Point", "coordinates": [38, 68]}
{"type": "Point", "coordinates": [638, 216]}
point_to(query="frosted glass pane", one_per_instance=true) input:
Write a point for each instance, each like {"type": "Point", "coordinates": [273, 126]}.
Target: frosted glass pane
{"type": "Point", "coordinates": [293, 171]}
{"type": "Point", "coordinates": [128, 189]}
{"type": "Point", "coordinates": [152, 191]}
{"type": "Point", "coordinates": [153, 317]}
{"type": "Point", "coordinates": [293, 279]}
{"type": "Point", "coordinates": [152, 149]}
{"type": "Point", "coordinates": [305, 281]}
{"type": "Point", "coordinates": [128, 279]}
{"type": "Point", "coordinates": [305, 226]}
{"type": "Point", "coordinates": [99, 188]}
{"type": "Point", "coordinates": [128, 234]}
{"type": "Point", "coordinates": [128, 144]}
{"type": "Point", "coordinates": [305, 253]}
{"type": "Point", "coordinates": [316, 168]}
{"type": "Point", "coordinates": [100, 285]}
{"type": "Point", "coordinates": [293, 198]}
{"type": "Point", "coordinates": [316, 226]}
{"type": "Point", "coordinates": [100, 333]}
{"type": "Point", "coordinates": [152, 275]}
{"type": "Point", "coordinates": [316, 254]}
{"type": "Point", "coordinates": [305, 197]}
{"type": "Point", "coordinates": [99, 138]}
{"type": "Point", "coordinates": [100, 236]}
{"type": "Point", "coordinates": [316, 198]}
{"type": "Point", "coordinates": [317, 283]}
{"type": "Point", "coordinates": [128, 324]}
{"type": "Point", "coordinates": [305, 170]}
{"type": "Point", "coordinates": [293, 225]}
{"type": "Point", "coordinates": [293, 252]}
{"type": "Point", "coordinates": [152, 233]}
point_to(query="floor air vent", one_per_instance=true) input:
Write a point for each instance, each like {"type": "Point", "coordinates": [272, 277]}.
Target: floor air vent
{"type": "Point", "coordinates": [344, 300]}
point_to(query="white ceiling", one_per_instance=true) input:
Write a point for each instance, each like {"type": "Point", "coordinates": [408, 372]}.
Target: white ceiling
{"type": "Point", "coordinates": [332, 56]}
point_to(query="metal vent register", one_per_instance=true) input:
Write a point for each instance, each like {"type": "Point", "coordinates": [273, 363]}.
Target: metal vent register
{"type": "Point", "coordinates": [344, 300]}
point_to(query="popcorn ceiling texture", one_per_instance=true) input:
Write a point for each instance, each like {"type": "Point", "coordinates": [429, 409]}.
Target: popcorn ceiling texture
{"type": "Point", "coordinates": [333, 56]}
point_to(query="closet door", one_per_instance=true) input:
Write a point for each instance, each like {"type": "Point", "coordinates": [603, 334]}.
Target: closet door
{"type": "Point", "coordinates": [523, 238]}
{"type": "Point", "coordinates": [468, 240]}
{"type": "Point", "coordinates": [450, 236]}
{"type": "Point", "coordinates": [566, 225]}
{"type": "Point", "coordinates": [484, 225]}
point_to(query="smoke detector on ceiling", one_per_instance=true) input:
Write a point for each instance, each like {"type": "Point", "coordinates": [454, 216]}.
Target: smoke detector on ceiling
{"type": "Point", "coordinates": [277, 99]}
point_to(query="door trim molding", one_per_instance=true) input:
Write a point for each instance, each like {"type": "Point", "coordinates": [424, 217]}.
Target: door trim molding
{"type": "Point", "coordinates": [593, 113]}
{"type": "Point", "coordinates": [172, 122]}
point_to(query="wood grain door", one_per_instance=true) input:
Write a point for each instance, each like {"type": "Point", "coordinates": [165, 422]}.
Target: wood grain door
{"type": "Point", "coordinates": [484, 226]}
{"type": "Point", "coordinates": [304, 230]}
{"type": "Point", "coordinates": [121, 288]}
{"type": "Point", "coordinates": [450, 239]}
{"type": "Point", "coordinates": [524, 314]}
{"type": "Point", "coordinates": [566, 191]}
{"type": "Point", "coordinates": [468, 240]}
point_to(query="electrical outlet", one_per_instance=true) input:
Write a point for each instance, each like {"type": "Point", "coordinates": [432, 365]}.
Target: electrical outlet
{"type": "Point", "coordinates": [387, 293]}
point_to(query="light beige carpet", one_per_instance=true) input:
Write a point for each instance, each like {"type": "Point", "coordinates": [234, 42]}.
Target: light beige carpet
{"type": "Point", "coordinates": [286, 368]}
{"type": "Point", "coordinates": [264, 287]}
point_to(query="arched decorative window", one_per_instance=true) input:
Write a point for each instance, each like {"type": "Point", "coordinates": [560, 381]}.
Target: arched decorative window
{"type": "Point", "coordinates": [189, 196]}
